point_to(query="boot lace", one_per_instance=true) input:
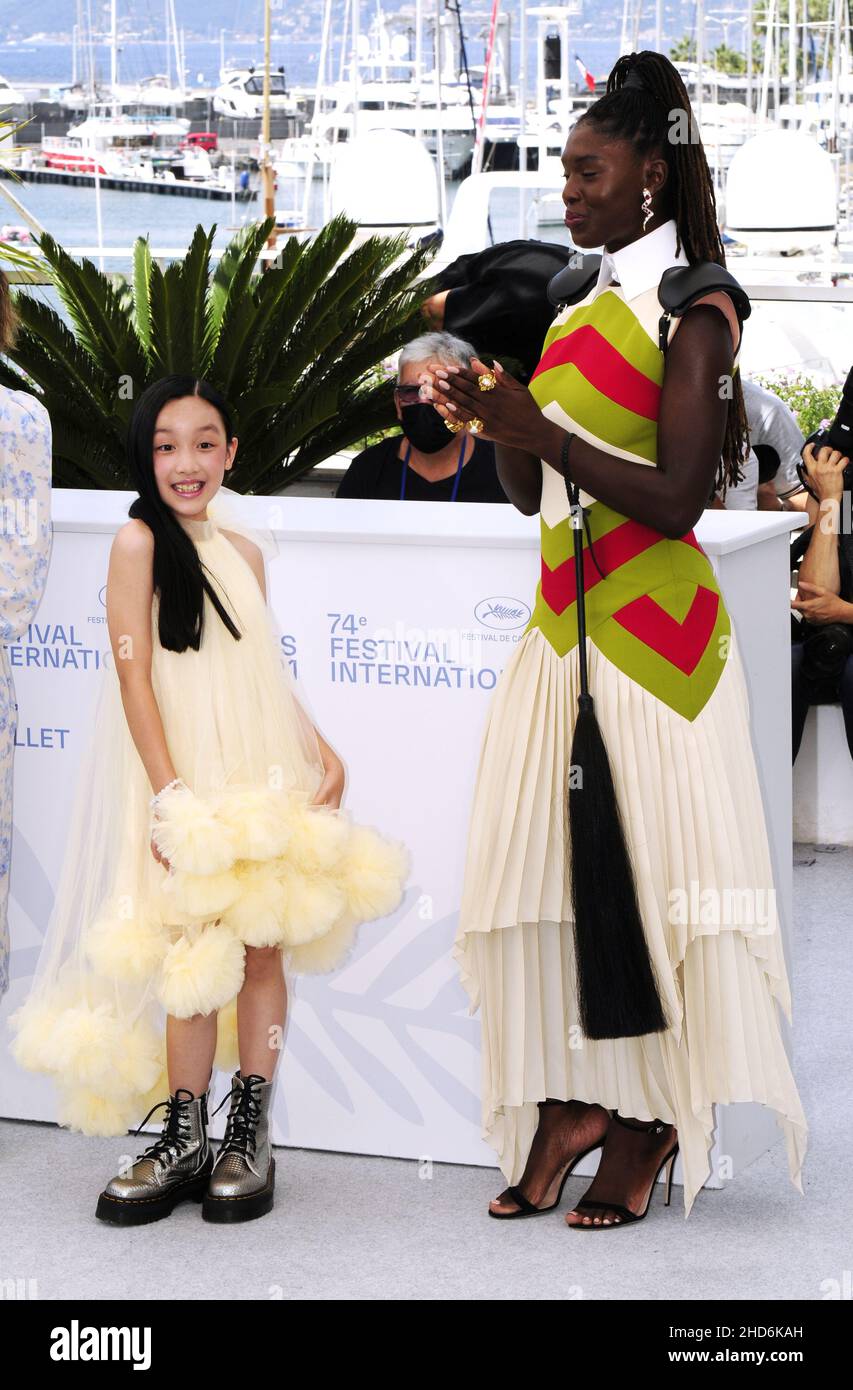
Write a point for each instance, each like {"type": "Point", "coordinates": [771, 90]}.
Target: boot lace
{"type": "Point", "coordinates": [176, 1128]}
{"type": "Point", "coordinates": [240, 1134]}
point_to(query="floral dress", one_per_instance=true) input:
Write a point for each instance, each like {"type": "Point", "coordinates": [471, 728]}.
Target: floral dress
{"type": "Point", "coordinates": [25, 541]}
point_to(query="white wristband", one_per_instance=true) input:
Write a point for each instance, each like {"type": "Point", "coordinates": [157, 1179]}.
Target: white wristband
{"type": "Point", "coordinates": [175, 782]}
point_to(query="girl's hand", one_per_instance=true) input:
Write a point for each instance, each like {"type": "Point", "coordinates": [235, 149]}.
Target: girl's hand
{"type": "Point", "coordinates": [509, 413]}
{"type": "Point", "coordinates": [155, 816]}
{"type": "Point", "coordinates": [821, 605]}
{"type": "Point", "coordinates": [331, 789]}
{"type": "Point", "coordinates": [161, 859]}
{"type": "Point", "coordinates": [825, 471]}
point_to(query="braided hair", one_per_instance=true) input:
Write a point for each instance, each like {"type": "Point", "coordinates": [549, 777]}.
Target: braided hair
{"type": "Point", "coordinates": [643, 90]}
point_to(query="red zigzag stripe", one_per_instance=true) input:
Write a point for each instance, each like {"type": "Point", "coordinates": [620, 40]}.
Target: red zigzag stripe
{"type": "Point", "coordinates": [615, 548]}
{"type": "Point", "coordinates": [681, 643]}
{"type": "Point", "coordinates": [605, 369]}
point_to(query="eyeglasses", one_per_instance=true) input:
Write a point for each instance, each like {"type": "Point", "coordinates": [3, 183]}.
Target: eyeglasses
{"type": "Point", "coordinates": [408, 395]}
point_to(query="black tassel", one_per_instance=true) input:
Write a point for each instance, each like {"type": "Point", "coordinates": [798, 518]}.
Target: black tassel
{"type": "Point", "coordinates": [617, 991]}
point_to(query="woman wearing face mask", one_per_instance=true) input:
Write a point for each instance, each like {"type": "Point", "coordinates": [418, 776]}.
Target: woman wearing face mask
{"type": "Point", "coordinates": [427, 463]}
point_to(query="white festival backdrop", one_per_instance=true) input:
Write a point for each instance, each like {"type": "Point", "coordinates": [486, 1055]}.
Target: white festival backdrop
{"type": "Point", "coordinates": [397, 620]}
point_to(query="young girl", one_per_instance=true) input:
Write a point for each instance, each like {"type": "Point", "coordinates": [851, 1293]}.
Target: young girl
{"type": "Point", "coordinates": [184, 903]}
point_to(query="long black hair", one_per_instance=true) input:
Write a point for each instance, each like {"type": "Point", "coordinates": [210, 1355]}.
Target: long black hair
{"type": "Point", "coordinates": [179, 577]}
{"type": "Point", "coordinates": [642, 115]}
{"type": "Point", "coordinates": [8, 317]}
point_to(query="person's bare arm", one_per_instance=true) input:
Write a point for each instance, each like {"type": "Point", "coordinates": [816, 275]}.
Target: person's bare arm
{"type": "Point", "coordinates": [796, 502]}
{"type": "Point", "coordinates": [130, 592]}
{"type": "Point", "coordinates": [433, 310]}
{"type": "Point", "coordinates": [331, 788]}
{"type": "Point", "coordinates": [819, 565]}
{"type": "Point", "coordinates": [520, 476]}
{"type": "Point", "coordinates": [691, 428]}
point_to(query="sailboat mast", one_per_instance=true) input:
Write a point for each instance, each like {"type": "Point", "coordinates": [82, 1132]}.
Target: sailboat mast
{"type": "Point", "coordinates": [522, 115]}
{"type": "Point", "coordinates": [90, 50]}
{"type": "Point", "coordinates": [836, 69]}
{"type": "Point", "coordinates": [419, 62]}
{"type": "Point", "coordinates": [356, 35]}
{"type": "Point", "coordinates": [749, 71]}
{"type": "Point", "coordinates": [700, 60]}
{"type": "Point", "coordinates": [479, 138]}
{"type": "Point", "coordinates": [168, 49]}
{"type": "Point", "coordinates": [439, 124]}
{"type": "Point", "coordinates": [266, 167]}
{"type": "Point", "coordinates": [113, 54]}
{"type": "Point", "coordinates": [317, 112]}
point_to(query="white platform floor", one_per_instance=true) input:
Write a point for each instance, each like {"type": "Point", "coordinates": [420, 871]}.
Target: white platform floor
{"type": "Point", "coordinates": [347, 1227]}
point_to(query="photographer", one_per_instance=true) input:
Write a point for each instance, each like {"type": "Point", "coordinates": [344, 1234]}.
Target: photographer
{"type": "Point", "coordinates": [822, 652]}
{"type": "Point", "coordinates": [770, 481]}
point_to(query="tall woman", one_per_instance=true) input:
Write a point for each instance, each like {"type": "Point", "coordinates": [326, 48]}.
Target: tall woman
{"type": "Point", "coordinates": [646, 447]}
{"type": "Point", "coordinates": [25, 474]}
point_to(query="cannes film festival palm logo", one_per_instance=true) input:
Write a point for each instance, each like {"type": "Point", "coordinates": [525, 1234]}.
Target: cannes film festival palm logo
{"type": "Point", "coordinates": [502, 612]}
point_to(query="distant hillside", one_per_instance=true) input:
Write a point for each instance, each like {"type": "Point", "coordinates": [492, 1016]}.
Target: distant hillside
{"type": "Point", "coordinates": [206, 17]}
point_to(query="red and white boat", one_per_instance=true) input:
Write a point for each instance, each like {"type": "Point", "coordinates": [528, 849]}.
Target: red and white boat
{"type": "Point", "coordinates": [119, 143]}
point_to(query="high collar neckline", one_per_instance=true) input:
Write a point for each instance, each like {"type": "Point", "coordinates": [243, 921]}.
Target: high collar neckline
{"type": "Point", "coordinates": [639, 265]}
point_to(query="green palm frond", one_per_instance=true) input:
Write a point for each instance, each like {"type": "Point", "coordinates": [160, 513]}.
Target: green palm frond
{"type": "Point", "coordinates": [373, 411]}
{"type": "Point", "coordinates": [16, 381]}
{"type": "Point", "coordinates": [167, 327]}
{"type": "Point", "coordinates": [76, 457]}
{"type": "Point", "coordinates": [49, 352]}
{"type": "Point", "coordinates": [240, 255]}
{"type": "Point", "coordinates": [94, 308]}
{"type": "Point", "coordinates": [293, 348]}
{"type": "Point", "coordinates": [195, 281]}
{"type": "Point", "coordinates": [141, 318]}
{"type": "Point", "coordinates": [24, 263]}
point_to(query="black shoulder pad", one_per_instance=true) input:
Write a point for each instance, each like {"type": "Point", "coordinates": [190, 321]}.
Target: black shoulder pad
{"type": "Point", "coordinates": [682, 285]}
{"type": "Point", "coordinates": [571, 284]}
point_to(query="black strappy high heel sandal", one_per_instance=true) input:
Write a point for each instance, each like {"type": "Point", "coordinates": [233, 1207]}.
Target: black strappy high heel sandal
{"type": "Point", "coordinates": [527, 1208]}
{"type": "Point", "coordinates": [628, 1216]}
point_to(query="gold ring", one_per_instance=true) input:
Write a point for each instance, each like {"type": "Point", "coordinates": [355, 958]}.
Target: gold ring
{"type": "Point", "coordinates": [475, 425]}
{"type": "Point", "coordinates": [454, 425]}
{"type": "Point", "coordinates": [487, 382]}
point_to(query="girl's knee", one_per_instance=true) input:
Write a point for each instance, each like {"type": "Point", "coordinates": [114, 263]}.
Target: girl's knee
{"type": "Point", "coordinates": [263, 962]}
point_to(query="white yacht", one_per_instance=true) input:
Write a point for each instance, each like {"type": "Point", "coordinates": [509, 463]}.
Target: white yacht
{"type": "Point", "coordinates": [240, 94]}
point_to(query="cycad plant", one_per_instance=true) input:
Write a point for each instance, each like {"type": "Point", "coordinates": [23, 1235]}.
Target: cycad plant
{"type": "Point", "coordinates": [294, 349]}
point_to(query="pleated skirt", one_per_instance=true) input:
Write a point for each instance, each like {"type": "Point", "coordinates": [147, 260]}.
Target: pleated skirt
{"type": "Point", "coordinates": [692, 810]}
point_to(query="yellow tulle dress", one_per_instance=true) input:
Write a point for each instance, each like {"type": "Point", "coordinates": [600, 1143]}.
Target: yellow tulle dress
{"type": "Point", "coordinates": [252, 861]}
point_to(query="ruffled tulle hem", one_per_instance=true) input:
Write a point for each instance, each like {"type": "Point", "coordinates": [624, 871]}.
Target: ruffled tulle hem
{"type": "Point", "coordinates": [248, 867]}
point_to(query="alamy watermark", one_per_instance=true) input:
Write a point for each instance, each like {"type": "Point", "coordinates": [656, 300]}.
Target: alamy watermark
{"type": "Point", "coordinates": [19, 518]}
{"type": "Point", "coordinates": [723, 907]}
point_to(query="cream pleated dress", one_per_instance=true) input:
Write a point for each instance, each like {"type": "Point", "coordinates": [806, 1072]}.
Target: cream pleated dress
{"type": "Point", "coordinates": [252, 862]}
{"type": "Point", "coordinates": [667, 682]}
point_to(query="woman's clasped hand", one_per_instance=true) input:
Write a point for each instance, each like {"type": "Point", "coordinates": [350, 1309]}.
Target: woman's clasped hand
{"type": "Point", "coordinates": [508, 413]}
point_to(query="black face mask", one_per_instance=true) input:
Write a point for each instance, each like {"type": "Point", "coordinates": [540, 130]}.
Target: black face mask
{"type": "Point", "coordinates": [424, 428]}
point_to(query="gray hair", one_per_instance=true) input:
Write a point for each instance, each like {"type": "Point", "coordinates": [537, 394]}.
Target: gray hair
{"type": "Point", "coordinates": [445, 348]}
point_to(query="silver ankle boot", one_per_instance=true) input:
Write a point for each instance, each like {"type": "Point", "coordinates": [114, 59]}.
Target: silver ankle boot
{"type": "Point", "coordinates": [176, 1167]}
{"type": "Point", "coordinates": [242, 1183]}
